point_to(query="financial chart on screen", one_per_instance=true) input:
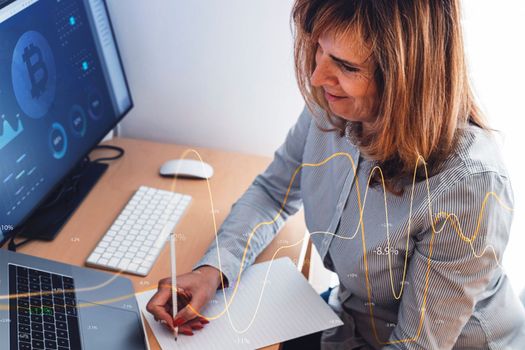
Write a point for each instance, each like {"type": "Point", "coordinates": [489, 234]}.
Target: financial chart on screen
{"type": "Point", "coordinates": [62, 88]}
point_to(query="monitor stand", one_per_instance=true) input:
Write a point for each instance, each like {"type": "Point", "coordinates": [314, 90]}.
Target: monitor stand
{"type": "Point", "coordinates": [47, 221]}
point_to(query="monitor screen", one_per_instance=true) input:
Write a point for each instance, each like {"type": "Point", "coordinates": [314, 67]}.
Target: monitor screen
{"type": "Point", "coordinates": [62, 89]}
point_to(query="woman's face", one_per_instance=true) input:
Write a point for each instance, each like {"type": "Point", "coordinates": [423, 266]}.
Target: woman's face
{"type": "Point", "coordinates": [345, 71]}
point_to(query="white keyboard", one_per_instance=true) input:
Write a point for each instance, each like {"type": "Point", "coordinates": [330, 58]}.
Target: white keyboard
{"type": "Point", "coordinates": [136, 238]}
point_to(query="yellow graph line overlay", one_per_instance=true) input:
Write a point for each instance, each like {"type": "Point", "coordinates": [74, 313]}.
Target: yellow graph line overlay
{"type": "Point", "coordinates": [448, 216]}
{"type": "Point", "coordinates": [456, 225]}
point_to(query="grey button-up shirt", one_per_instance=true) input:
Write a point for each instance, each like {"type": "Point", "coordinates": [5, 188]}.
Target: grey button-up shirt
{"type": "Point", "coordinates": [401, 285]}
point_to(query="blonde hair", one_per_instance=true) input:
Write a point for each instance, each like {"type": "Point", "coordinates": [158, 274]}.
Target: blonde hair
{"type": "Point", "coordinates": [421, 75]}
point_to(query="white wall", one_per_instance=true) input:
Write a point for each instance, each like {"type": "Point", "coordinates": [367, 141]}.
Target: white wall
{"type": "Point", "coordinates": [496, 49]}
{"type": "Point", "coordinates": [216, 73]}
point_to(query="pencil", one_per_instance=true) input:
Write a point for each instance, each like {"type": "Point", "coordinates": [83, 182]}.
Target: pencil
{"type": "Point", "coordinates": [174, 282]}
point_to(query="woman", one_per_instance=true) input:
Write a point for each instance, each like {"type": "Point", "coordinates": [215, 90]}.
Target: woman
{"type": "Point", "coordinates": [386, 85]}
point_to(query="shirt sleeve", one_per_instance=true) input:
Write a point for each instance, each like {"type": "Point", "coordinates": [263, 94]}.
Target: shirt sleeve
{"type": "Point", "coordinates": [454, 268]}
{"type": "Point", "coordinates": [261, 203]}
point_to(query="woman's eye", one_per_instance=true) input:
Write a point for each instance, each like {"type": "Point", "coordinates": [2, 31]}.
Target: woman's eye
{"type": "Point", "coordinates": [349, 68]}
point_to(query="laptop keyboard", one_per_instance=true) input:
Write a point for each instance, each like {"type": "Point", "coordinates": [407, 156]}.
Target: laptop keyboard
{"type": "Point", "coordinates": [43, 310]}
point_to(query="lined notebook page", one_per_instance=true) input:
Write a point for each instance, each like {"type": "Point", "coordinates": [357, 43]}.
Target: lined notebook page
{"type": "Point", "coordinates": [287, 308]}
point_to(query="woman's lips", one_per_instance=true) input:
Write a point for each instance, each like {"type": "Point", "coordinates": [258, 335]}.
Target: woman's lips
{"type": "Point", "coordinates": [332, 98]}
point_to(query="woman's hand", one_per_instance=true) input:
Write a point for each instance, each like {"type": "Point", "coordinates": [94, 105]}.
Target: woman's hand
{"type": "Point", "coordinates": [196, 288]}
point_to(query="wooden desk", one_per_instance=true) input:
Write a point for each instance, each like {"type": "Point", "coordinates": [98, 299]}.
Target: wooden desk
{"type": "Point", "coordinates": [234, 172]}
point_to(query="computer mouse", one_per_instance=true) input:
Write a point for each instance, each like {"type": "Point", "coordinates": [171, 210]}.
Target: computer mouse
{"type": "Point", "coordinates": [187, 168]}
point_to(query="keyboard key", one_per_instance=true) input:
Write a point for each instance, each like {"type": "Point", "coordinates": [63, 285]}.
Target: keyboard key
{"type": "Point", "coordinates": [50, 327]}
{"type": "Point", "coordinates": [47, 311]}
{"type": "Point", "coordinates": [35, 310]}
{"type": "Point", "coordinates": [23, 311]}
{"type": "Point", "coordinates": [50, 335]}
{"type": "Point", "coordinates": [61, 334]}
{"type": "Point", "coordinates": [21, 271]}
{"type": "Point", "coordinates": [61, 325]}
{"type": "Point", "coordinates": [94, 258]}
{"type": "Point", "coordinates": [24, 328]}
{"type": "Point", "coordinates": [113, 262]}
{"type": "Point", "coordinates": [63, 342]}
{"type": "Point", "coordinates": [38, 344]}
{"type": "Point", "coordinates": [71, 311]}
{"type": "Point", "coordinates": [123, 264]}
{"type": "Point", "coordinates": [37, 327]}
{"type": "Point", "coordinates": [24, 346]}
{"type": "Point", "coordinates": [24, 336]}
{"type": "Point", "coordinates": [57, 282]}
{"type": "Point", "coordinates": [36, 318]}
{"type": "Point", "coordinates": [39, 335]}
{"type": "Point", "coordinates": [50, 344]}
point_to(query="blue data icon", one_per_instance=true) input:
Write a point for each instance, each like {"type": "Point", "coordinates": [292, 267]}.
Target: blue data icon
{"type": "Point", "coordinates": [58, 141]}
{"type": "Point", "coordinates": [78, 121]}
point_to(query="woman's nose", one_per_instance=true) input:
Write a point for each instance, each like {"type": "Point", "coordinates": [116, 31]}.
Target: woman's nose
{"type": "Point", "coordinates": [323, 75]}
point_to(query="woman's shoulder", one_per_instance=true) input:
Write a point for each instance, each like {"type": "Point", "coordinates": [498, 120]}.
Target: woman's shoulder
{"type": "Point", "coordinates": [476, 151]}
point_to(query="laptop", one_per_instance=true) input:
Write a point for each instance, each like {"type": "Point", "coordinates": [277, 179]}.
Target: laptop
{"type": "Point", "coordinates": [50, 305]}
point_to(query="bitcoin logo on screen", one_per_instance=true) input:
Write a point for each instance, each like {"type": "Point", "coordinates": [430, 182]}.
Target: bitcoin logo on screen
{"type": "Point", "coordinates": [37, 70]}
{"type": "Point", "coordinates": [34, 74]}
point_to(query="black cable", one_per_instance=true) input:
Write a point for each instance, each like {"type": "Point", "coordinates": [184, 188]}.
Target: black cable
{"type": "Point", "coordinates": [119, 150]}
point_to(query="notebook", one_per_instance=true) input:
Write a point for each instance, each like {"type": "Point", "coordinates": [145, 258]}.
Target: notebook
{"type": "Point", "coordinates": [274, 303]}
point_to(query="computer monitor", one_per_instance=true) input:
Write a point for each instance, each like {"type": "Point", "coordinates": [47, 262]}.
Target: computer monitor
{"type": "Point", "coordinates": [62, 89]}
